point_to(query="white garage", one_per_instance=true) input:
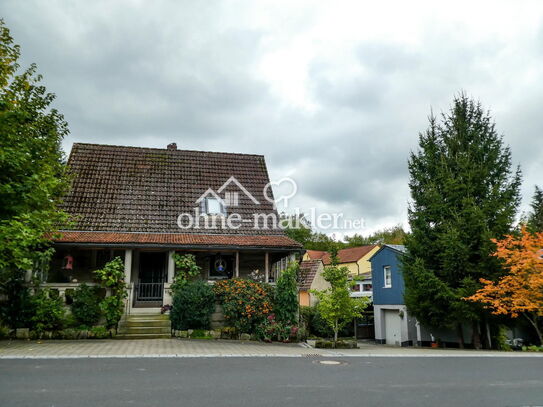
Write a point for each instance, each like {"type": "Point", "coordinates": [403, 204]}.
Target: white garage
{"type": "Point", "coordinates": [394, 326]}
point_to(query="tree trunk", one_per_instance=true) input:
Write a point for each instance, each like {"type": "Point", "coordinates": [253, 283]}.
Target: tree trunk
{"type": "Point", "coordinates": [534, 324]}
{"type": "Point", "coordinates": [476, 335]}
{"type": "Point", "coordinates": [488, 335]}
{"type": "Point", "coordinates": [335, 333]}
{"type": "Point", "coordinates": [460, 332]}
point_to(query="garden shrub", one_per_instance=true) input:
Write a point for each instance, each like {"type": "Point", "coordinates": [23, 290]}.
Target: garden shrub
{"type": "Point", "coordinates": [193, 304]}
{"type": "Point", "coordinates": [112, 277]}
{"type": "Point", "coordinates": [86, 305]}
{"type": "Point", "coordinates": [200, 334]}
{"type": "Point", "coordinates": [98, 332]}
{"type": "Point", "coordinates": [285, 304]}
{"type": "Point", "coordinates": [315, 325]}
{"type": "Point", "coordinates": [273, 330]}
{"type": "Point", "coordinates": [185, 270]}
{"type": "Point", "coordinates": [48, 312]}
{"type": "Point", "coordinates": [18, 309]}
{"type": "Point", "coordinates": [246, 304]}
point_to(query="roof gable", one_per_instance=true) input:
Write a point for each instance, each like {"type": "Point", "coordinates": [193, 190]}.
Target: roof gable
{"type": "Point", "coordinates": [397, 248]}
{"type": "Point", "coordinates": [349, 255]}
{"type": "Point", "coordinates": [308, 271]}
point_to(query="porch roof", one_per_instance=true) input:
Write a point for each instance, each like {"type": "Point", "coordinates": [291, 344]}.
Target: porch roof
{"type": "Point", "coordinates": [177, 239]}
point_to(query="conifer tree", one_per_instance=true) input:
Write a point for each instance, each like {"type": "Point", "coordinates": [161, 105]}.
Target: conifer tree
{"type": "Point", "coordinates": [464, 194]}
{"type": "Point", "coordinates": [535, 218]}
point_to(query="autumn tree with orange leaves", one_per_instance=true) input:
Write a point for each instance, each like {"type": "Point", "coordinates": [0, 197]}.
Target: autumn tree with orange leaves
{"type": "Point", "coordinates": [520, 291]}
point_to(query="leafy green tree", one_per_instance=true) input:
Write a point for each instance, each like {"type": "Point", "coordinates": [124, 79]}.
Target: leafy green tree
{"type": "Point", "coordinates": [32, 170]}
{"type": "Point", "coordinates": [298, 228]}
{"type": "Point", "coordinates": [336, 306]}
{"type": "Point", "coordinates": [464, 193]}
{"type": "Point", "coordinates": [392, 235]}
{"type": "Point", "coordinates": [535, 218]}
{"type": "Point", "coordinates": [286, 296]}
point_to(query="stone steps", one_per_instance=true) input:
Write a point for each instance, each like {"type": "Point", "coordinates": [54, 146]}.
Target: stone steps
{"type": "Point", "coordinates": [144, 326]}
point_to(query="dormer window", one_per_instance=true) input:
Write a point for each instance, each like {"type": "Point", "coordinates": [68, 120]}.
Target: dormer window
{"type": "Point", "coordinates": [213, 206]}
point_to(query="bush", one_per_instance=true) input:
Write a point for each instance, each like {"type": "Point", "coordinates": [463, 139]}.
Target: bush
{"type": "Point", "coordinates": [113, 308]}
{"type": "Point", "coordinates": [314, 323]}
{"type": "Point", "coordinates": [18, 309]}
{"type": "Point", "coordinates": [273, 330]}
{"type": "Point", "coordinates": [4, 332]}
{"type": "Point", "coordinates": [246, 304]}
{"type": "Point", "coordinates": [86, 305]}
{"type": "Point", "coordinates": [193, 304]}
{"type": "Point", "coordinates": [48, 312]}
{"type": "Point", "coordinates": [98, 332]}
{"type": "Point", "coordinates": [112, 277]}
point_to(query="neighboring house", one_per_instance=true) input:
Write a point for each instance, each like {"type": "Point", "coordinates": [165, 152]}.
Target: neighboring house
{"type": "Point", "coordinates": [356, 259]}
{"type": "Point", "coordinates": [131, 202]}
{"type": "Point", "coordinates": [311, 279]}
{"type": "Point", "coordinates": [393, 324]}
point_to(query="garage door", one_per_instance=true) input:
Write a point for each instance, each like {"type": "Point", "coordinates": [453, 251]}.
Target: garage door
{"type": "Point", "coordinates": [392, 327]}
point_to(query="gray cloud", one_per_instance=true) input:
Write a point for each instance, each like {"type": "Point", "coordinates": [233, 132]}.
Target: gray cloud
{"type": "Point", "coordinates": [146, 75]}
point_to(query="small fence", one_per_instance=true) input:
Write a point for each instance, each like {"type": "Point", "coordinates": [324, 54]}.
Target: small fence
{"type": "Point", "coordinates": [149, 292]}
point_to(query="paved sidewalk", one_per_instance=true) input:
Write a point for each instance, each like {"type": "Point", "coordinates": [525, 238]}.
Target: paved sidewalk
{"type": "Point", "coordinates": [108, 348]}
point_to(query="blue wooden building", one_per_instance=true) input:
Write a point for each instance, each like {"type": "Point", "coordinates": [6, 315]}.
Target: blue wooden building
{"type": "Point", "coordinates": [393, 324]}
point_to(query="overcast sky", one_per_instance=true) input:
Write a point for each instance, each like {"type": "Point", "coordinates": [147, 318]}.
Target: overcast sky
{"type": "Point", "coordinates": [332, 93]}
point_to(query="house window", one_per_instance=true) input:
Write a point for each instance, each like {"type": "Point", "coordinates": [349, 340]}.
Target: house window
{"type": "Point", "coordinates": [356, 288]}
{"type": "Point", "coordinates": [387, 276]}
{"type": "Point", "coordinates": [367, 287]}
{"type": "Point", "coordinates": [214, 207]}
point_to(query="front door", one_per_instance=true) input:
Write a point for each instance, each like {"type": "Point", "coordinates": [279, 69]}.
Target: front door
{"type": "Point", "coordinates": [151, 278]}
{"type": "Point", "coordinates": [393, 326]}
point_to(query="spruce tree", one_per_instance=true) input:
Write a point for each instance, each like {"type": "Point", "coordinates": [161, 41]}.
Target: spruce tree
{"type": "Point", "coordinates": [464, 194]}
{"type": "Point", "coordinates": [535, 218]}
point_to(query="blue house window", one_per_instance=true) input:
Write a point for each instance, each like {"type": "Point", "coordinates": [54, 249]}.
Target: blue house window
{"type": "Point", "coordinates": [387, 276]}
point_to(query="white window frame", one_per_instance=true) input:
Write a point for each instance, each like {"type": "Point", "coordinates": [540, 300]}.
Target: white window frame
{"type": "Point", "coordinates": [387, 270]}
{"type": "Point", "coordinates": [365, 283]}
{"type": "Point", "coordinates": [222, 210]}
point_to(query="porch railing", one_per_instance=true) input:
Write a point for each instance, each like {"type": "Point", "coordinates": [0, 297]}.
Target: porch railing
{"type": "Point", "coordinates": [149, 291]}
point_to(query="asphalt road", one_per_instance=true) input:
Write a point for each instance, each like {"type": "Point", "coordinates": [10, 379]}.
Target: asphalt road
{"type": "Point", "coordinates": [298, 382]}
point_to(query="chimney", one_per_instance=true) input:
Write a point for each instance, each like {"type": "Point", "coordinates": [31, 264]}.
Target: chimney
{"type": "Point", "coordinates": [172, 146]}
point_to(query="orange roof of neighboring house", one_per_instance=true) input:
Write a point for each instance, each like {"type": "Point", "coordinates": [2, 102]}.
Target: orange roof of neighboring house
{"type": "Point", "coordinates": [308, 271]}
{"type": "Point", "coordinates": [315, 254]}
{"type": "Point", "coordinates": [188, 239]}
{"type": "Point", "coordinates": [350, 255]}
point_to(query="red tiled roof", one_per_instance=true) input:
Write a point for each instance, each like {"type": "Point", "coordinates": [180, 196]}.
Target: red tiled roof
{"type": "Point", "coordinates": [308, 271]}
{"type": "Point", "coordinates": [134, 189]}
{"type": "Point", "coordinates": [350, 255]}
{"type": "Point", "coordinates": [315, 254]}
{"type": "Point", "coordinates": [176, 239]}
{"type": "Point", "coordinates": [135, 195]}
